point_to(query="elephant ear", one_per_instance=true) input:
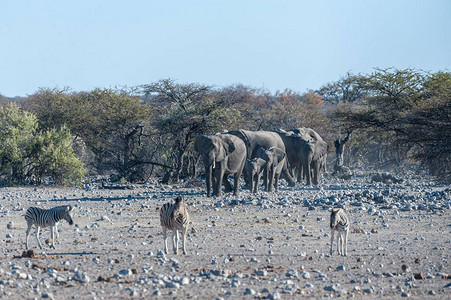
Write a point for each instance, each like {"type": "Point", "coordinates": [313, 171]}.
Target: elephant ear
{"type": "Point", "coordinates": [199, 143]}
{"type": "Point", "coordinates": [226, 148]}
{"type": "Point", "coordinates": [260, 162]}
{"type": "Point", "coordinates": [244, 137]}
{"type": "Point", "coordinates": [260, 152]}
{"type": "Point", "coordinates": [229, 145]}
{"type": "Point", "coordinates": [279, 155]}
{"type": "Point", "coordinates": [322, 148]}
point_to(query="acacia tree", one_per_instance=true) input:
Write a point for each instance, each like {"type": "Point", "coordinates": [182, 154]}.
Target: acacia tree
{"type": "Point", "coordinates": [183, 111]}
{"type": "Point", "coordinates": [427, 126]}
{"type": "Point", "coordinates": [407, 110]}
{"type": "Point", "coordinates": [346, 90]}
{"type": "Point", "coordinates": [262, 110]}
{"type": "Point", "coordinates": [341, 95]}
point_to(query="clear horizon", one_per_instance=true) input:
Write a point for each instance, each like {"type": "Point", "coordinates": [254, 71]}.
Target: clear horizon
{"type": "Point", "coordinates": [275, 45]}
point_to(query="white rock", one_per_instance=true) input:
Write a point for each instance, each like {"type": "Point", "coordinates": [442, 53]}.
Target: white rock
{"type": "Point", "coordinates": [249, 291]}
{"type": "Point", "coordinates": [81, 277]}
{"type": "Point", "coordinates": [105, 218]}
{"type": "Point", "coordinates": [125, 272]}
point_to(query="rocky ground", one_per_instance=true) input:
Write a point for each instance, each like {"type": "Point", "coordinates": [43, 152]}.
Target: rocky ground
{"type": "Point", "coordinates": [270, 246]}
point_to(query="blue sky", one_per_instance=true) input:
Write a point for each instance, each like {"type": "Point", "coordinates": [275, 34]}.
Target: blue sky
{"type": "Point", "coordinates": [271, 44]}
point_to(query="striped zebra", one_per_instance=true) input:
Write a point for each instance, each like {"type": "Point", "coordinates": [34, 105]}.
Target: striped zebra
{"type": "Point", "coordinates": [175, 217]}
{"type": "Point", "coordinates": [44, 218]}
{"type": "Point", "coordinates": [339, 221]}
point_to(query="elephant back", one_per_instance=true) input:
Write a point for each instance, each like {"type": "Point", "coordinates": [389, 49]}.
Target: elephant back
{"type": "Point", "coordinates": [256, 139]}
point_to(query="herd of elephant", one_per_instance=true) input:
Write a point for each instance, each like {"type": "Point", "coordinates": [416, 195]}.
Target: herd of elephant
{"type": "Point", "coordinates": [294, 155]}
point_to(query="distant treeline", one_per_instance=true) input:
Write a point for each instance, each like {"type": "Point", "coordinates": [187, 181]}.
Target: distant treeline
{"type": "Point", "coordinates": [397, 118]}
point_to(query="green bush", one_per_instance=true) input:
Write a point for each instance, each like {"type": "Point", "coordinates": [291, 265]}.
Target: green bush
{"type": "Point", "coordinates": [29, 156]}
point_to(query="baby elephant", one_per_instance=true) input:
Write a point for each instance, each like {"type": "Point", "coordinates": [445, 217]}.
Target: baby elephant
{"type": "Point", "coordinates": [339, 221]}
{"type": "Point", "coordinates": [254, 169]}
{"type": "Point", "coordinates": [46, 217]}
{"type": "Point", "coordinates": [275, 160]}
{"type": "Point", "coordinates": [175, 217]}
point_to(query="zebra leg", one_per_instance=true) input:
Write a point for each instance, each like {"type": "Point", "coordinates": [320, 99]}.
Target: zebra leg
{"type": "Point", "coordinates": [346, 242]}
{"type": "Point", "coordinates": [341, 243]}
{"type": "Point", "coordinates": [165, 239]}
{"type": "Point", "coordinates": [57, 236]}
{"type": "Point", "coordinates": [338, 242]}
{"type": "Point", "coordinates": [26, 236]}
{"type": "Point", "coordinates": [331, 240]}
{"type": "Point", "coordinates": [37, 236]}
{"type": "Point", "coordinates": [184, 239]}
{"type": "Point", "coordinates": [52, 229]}
{"type": "Point", "coordinates": [175, 241]}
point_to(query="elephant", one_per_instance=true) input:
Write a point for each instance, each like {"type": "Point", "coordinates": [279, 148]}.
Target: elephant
{"type": "Point", "coordinates": [306, 153]}
{"type": "Point", "coordinates": [321, 148]}
{"type": "Point", "coordinates": [265, 139]}
{"type": "Point", "coordinates": [318, 162]}
{"type": "Point", "coordinates": [299, 154]}
{"type": "Point", "coordinates": [275, 161]}
{"type": "Point", "coordinates": [254, 168]}
{"type": "Point", "coordinates": [222, 154]}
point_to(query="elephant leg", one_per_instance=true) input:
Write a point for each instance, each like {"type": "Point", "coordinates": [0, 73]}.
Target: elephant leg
{"type": "Point", "coordinates": [287, 176]}
{"type": "Point", "coordinates": [308, 174]}
{"type": "Point", "coordinates": [247, 179]}
{"type": "Point", "coordinates": [236, 177]}
{"type": "Point", "coordinates": [300, 175]}
{"type": "Point", "coordinates": [257, 182]}
{"type": "Point", "coordinates": [227, 186]}
{"type": "Point", "coordinates": [271, 180]}
{"type": "Point", "coordinates": [316, 173]}
{"type": "Point", "coordinates": [218, 176]}
{"type": "Point", "coordinates": [252, 184]}
{"type": "Point", "coordinates": [266, 179]}
{"type": "Point", "coordinates": [276, 182]}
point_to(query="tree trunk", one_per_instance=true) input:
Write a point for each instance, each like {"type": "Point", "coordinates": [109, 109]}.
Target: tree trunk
{"type": "Point", "coordinates": [339, 150]}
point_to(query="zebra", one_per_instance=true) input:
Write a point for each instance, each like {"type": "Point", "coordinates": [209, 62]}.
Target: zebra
{"type": "Point", "coordinates": [175, 217]}
{"type": "Point", "coordinates": [339, 221]}
{"type": "Point", "coordinates": [44, 218]}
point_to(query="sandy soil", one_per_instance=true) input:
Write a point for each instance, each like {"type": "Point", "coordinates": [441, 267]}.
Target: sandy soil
{"type": "Point", "coordinates": [270, 246]}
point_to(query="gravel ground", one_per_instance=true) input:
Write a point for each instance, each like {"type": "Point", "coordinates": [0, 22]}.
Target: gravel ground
{"type": "Point", "coordinates": [267, 246]}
